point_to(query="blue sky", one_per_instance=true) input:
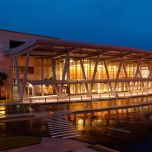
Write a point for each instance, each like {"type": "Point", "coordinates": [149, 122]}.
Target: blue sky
{"type": "Point", "coordinates": [116, 22]}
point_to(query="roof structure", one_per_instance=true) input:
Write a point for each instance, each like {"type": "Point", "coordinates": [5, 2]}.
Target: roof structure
{"type": "Point", "coordinates": [56, 48]}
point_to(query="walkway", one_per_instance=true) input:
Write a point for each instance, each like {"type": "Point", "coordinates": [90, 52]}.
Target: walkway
{"type": "Point", "coordinates": [56, 145]}
{"type": "Point", "coordinates": [76, 98]}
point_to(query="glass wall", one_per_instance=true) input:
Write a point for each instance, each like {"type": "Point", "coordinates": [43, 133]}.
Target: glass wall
{"type": "Point", "coordinates": [75, 77]}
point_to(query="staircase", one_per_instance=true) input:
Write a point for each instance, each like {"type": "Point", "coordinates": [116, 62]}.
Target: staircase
{"type": "Point", "coordinates": [60, 127]}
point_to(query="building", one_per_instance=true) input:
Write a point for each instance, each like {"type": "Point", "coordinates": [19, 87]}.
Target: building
{"type": "Point", "coordinates": [39, 66]}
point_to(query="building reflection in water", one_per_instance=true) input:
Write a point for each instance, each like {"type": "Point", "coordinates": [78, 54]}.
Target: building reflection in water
{"type": "Point", "coordinates": [2, 111]}
{"type": "Point", "coordinates": [105, 119]}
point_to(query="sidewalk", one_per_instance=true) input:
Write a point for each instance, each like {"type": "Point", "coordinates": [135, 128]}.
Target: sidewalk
{"type": "Point", "coordinates": [81, 98]}
{"type": "Point", "coordinates": [55, 145]}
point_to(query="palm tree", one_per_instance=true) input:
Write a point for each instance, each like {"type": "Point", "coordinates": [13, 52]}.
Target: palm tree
{"type": "Point", "coordinates": [3, 78]}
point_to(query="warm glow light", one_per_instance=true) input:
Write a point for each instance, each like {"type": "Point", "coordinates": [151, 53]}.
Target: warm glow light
{"type": "Point", "coordinates": [2, 110]}
{"type": "Point", "coordinates": [80, 121]}
{"type": "Point", "coordinates": [30, 85]}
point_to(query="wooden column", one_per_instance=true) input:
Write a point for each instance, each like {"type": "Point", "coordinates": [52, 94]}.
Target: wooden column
{"type": "Point", "coordinates": [54, 75]}
{"type": "Point", "coordinates": [42, 75]}
{"type": "Point", "coordinates": [107, 74]}
{"type": "Point", "coordinates": [84, 76]}
{"type": "Point", "coordinates": [17, 76]}
{"type": "Point", "coordinates": [66, 64]}
{"type": "Point", "coordinates": [25, 74]}
{"type": "Point", "coordinates": [117, 77]}
{"type": "Point", "coordinates": [94, 73]}
{"type": "Point", "coordinates": [125, 71]}
{"type": "Point", "coordinates": [11, 78]}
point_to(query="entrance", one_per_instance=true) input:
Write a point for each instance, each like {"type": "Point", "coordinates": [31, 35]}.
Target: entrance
{"type": "Point", "coordinates": [29, 89]}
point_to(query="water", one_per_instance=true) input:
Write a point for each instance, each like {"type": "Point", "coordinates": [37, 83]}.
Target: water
{"type": "Point", "coordinates": [116, 129]}
{"type": "Point", "coordinates": [125, 130]}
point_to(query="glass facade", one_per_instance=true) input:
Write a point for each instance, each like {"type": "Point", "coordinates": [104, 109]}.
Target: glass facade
{"type": "Point", "coordinates": [117, 78]}
{"type": "Point", "coordinates": [82, 77]}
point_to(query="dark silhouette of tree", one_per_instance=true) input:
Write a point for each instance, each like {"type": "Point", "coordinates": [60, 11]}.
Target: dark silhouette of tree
{"type": "Point", "coordinates": [3, 78]}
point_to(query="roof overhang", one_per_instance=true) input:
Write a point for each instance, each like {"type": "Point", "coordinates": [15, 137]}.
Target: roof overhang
{"type": "Point", "coordinates": [56, 48]}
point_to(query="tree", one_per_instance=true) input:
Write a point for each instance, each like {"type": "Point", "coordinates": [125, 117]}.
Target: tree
{"type": "Point", "coordinates": [3, 78]}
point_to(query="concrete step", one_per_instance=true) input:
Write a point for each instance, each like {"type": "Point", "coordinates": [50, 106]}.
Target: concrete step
{"type": "Point", "coordinates": [59, 120]}
{"type": "Point", "coordinates": [71, 136]}
{"type": "Point", "coordinates": [59, 129]}
{"type": "Point", "coordinates": [62, 132]}
{"type": "Point", "coordinates": [62, 124]}
{"type": "Point", "coordinates": [66, 134]}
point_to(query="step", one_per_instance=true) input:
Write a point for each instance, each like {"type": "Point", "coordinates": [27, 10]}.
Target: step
{"type": "Point", "coordinates": [60, 114]}
{"type": "Point", "coordinates": [66, 134]}
{"type": "Point", "coordinates": [60, 120]}
{"type": "Point", "coordinates": [58, 117]}
{"type": "Point", "coordinates": [71, 136]}
{"type": "Point", "coordinates": [58, 129]}
{"type": "Point", "coordinates": [62, 132]}
{"type": "Point", "coordinates": [60, 124]}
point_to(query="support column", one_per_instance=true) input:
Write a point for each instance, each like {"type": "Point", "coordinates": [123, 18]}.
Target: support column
{"type": "Point", "coordinates": [84, 76]}
{"type": "Point", "coordinates": [107, 73]}
{"type": "Point", "coordinates": [117, 77]}
{"type": "Point", "coordinates": [94, 73]}
{"type": "Point", "coordinates": [42, 75]}
{"type": "Point", "coordinates": [54, 75]}
{"type": "Point", "coordinates": [11, 79]}
{"type": "Point", "coordinates": [25, 74]}
{"type": "Point", "coordinates": [126, 75]}
{"type": "Point", "coordinates": [17, 76]}
{"type": "Point", "coordinates": [64, 73]}
{"type": "Point", "coordinates": [136, 74]}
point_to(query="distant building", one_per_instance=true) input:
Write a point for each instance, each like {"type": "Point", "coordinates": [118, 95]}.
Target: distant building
{"type": "Point", "coordinates": [39, 66]}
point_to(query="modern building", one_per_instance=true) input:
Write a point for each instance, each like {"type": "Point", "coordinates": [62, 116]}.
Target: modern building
{"type": "Point", "coordinates": [38, 66]}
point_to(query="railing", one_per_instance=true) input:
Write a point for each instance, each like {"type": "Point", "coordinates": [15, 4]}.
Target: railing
{"type": "Point", "coordinates": [81, 98]}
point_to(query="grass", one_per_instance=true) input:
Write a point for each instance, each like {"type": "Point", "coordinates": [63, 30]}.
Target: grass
{"type": "Point", "coordinates": [10, 142]}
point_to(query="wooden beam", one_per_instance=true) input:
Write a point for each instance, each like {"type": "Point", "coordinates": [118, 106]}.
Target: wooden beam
{"type": "Point", "coordinates": [125, 71]}
{"type": "Point", "coordinates": [84, 76]}
{"type": "Point", "coordinates": [42, 75]}
{"type": "Point", "coordinates": [25, 74]}
{"type": "Point", "coordinates": [54, 75]}
{"type": "Point", "coordinates": [118, 73]}
{"type": "Point", "coordinates": [17, 76]}
{"type": "Point", "coordinates": [11, 78]}
{"type": "Point", "coordinates": [39, 82]}
{"type": "Point", "coordinates": [95, 71]}
{"type": "Point", "coordinates": [66, 64]}
{"type": "Point", "coordinates": [107, 74]}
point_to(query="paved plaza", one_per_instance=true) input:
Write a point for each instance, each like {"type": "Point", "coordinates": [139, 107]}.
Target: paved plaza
{"type": "Point", "coordinates": [56, 145]}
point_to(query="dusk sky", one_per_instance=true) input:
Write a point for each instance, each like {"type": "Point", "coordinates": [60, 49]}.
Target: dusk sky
{"type": "Point", "coordinates": [116, 22]}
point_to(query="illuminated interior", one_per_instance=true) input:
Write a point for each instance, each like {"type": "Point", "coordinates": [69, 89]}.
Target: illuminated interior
{"type": "Point", "coordinates": [109, 81]}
